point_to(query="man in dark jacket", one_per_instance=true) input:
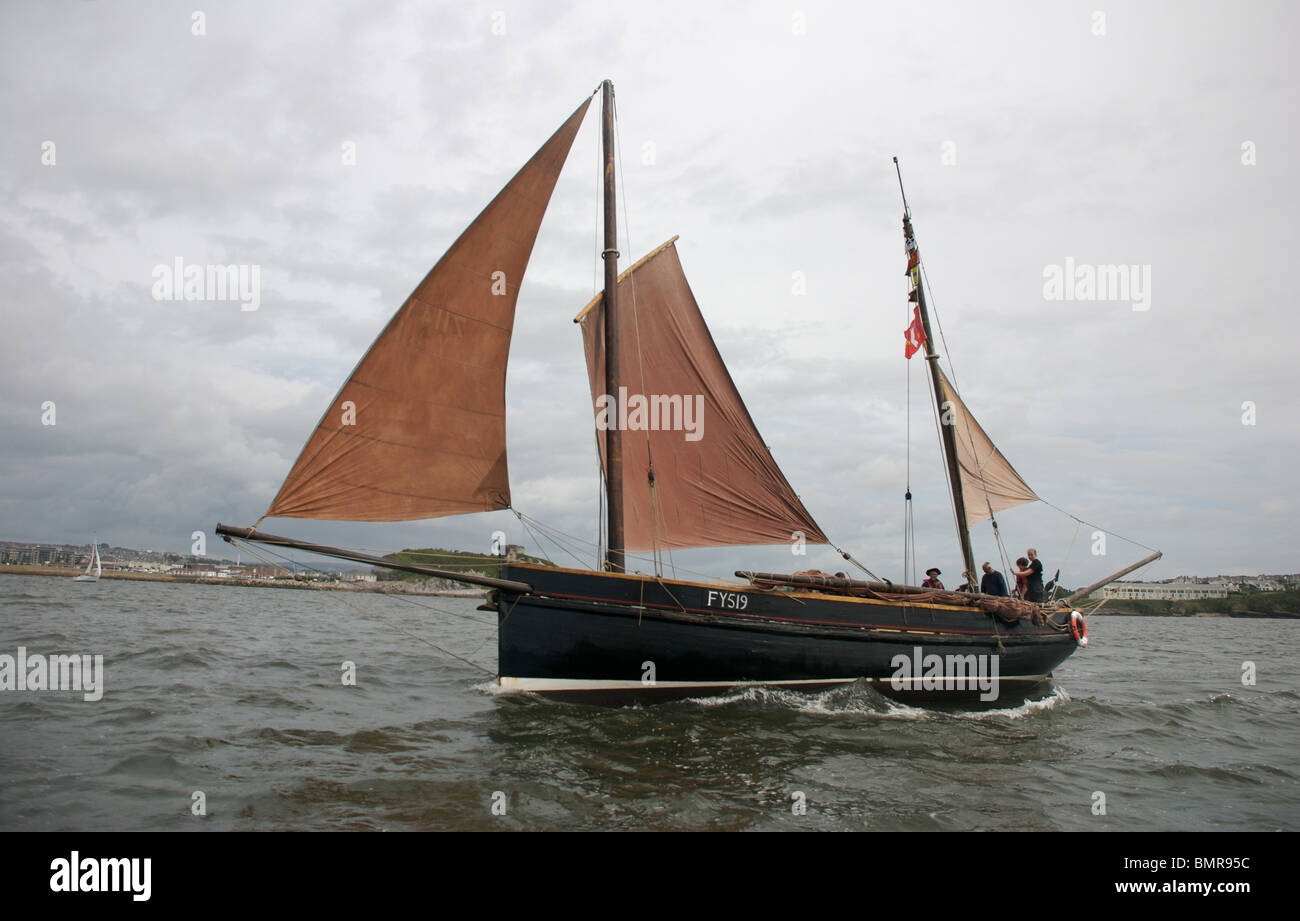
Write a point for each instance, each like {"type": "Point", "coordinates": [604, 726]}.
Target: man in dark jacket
{"type": "Point", "coordinates": [1035, 576]}
{"type": "Point", "coordinates": [992, 583]}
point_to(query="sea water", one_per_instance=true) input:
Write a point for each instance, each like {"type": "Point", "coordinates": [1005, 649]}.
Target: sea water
{"type": "Point", "coordinates": [225, 707]}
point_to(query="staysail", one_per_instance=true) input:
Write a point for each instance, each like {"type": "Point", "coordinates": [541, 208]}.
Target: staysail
{"type": "Point", "coordinates": [418, 430]}
{"type": "Point", "coordinates": [715, 483]}
{"type": "Point", "coordinates": [988, 480]}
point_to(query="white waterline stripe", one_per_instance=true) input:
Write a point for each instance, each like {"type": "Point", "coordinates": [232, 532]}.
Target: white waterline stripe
{"type": "Point", "coordinates": [584, 684]}
{"type": "Point", "coordinates": [508, 683]}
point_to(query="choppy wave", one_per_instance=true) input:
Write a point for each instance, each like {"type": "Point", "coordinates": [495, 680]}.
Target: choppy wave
{"type": "Point", "coordinates": [237, 692]}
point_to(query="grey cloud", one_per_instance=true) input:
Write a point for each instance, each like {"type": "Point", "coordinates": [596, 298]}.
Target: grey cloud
{"type": "Point", "coordinates": [773, 156]}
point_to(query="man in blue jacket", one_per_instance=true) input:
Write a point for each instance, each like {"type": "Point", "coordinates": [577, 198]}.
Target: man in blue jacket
{"type": "Point", "coordinates": [993, 583]}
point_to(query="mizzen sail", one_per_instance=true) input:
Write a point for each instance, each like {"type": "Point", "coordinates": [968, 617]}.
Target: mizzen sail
{"type": "Point", "coordinates": [988, 481]}
{"type": "Point", "coordinates": [715, 483]}
{"type": "Point", "coordinates": [418, 430]}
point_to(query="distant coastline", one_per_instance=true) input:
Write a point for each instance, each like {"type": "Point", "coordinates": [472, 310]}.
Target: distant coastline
{"type": "Point", "coordinates": [1275, 615]}
{"type": "Point", "coordinates": [378, 588]}
{"type": "Point", "coordinates": [1283, 605]}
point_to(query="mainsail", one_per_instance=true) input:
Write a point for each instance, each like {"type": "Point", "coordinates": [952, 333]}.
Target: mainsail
{"type": "Point", "coordinates": [989, 483]}
{"type": "Point", "coordinates": [715, 481]}
{"type": "Point", "coordinates": [418, 430]}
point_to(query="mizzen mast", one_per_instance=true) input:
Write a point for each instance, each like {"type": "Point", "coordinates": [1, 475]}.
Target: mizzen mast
{"type": "Point", "coordinates": [946, 428]}
{"type": "Point", "coordinates": [613, 435]}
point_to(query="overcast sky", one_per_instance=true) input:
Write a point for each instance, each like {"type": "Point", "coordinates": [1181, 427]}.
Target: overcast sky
{"type": "Point", "coordinates": [1159, 135]}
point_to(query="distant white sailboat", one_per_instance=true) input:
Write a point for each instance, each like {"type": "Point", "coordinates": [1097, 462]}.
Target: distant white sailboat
{"type": "Point", "coordinates": [88, 575]}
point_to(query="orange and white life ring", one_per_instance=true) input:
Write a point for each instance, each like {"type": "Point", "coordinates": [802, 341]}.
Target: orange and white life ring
{"type": "Point", "coordinates": [1078, 628]}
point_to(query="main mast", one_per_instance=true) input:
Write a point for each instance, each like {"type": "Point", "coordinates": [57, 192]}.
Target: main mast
{"type": "Point", "coordinates": [946, 428]}
{"type": "Point", "coordinates": [613, 435]}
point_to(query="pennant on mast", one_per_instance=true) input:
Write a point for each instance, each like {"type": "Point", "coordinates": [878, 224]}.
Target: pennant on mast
{"type": "Point", "coordinates": [418, 430]}
{"type": "Point", "coordinates": [987, 479]}
{"type": "Point", "coordinates": [716, 483]}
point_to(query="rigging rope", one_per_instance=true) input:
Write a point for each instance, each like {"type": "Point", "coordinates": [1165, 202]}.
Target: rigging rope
{"type": "Point", "coordinates": [631, 556]}
{"type": "Point", "coordinates": [1098, 527]}
{"type": "Point", "coordinates": [540, 548]}
{"type": "Point", "coordinates": [400, 596]}
{"type": "Point", "coordinates": [934, 409]}
{"type": "Point", "coordinates": [601, 522]}
{"type": "Point", "coordinates": [933, 303]}
{"type": "Point", "coordinates": [970, 438]}
{"type": "Point", "coordinates": [420, 639]}
{"type": "Point", "coordinates": [1003, 558]}
{"type": "Point", "coordinates": [848, 556]}
{"type": "Point", "coordinates": [524, 520]}
{"type": "Point", "coordinates": [907, 495]}
{"type": "Point", "coordinates": [1066, 562]}
{"type": "Point", "coordinates": [381, 619]}
{"type": "Point", "coordinates": [911, 528]}
{"type": "Point", "coordinates": [938, 321]}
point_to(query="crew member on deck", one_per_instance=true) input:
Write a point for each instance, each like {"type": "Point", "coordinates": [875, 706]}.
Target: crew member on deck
{"type": "Point", "coordinates": [992, 582]}
{"type": "Point", "coordinates": [1022, 577]}
{"type": "Point", "coordinates": [1033, 575]}
{"type": "Point", "coordinates": [933, 579]}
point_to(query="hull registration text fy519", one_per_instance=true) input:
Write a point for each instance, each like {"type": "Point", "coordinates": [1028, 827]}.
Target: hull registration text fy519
{"type": "Point", "coordinates": [732, 600]}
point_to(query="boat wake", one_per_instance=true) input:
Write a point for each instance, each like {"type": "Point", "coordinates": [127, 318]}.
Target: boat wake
{"type": "Point", "coordinates": [1051, 701]}
{"type": "Point", "coordinates": [859, 698]}
{"type": "Point", "coordinates": [862, 699]}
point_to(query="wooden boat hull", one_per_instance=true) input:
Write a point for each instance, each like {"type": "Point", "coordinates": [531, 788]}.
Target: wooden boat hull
{"type": "Point", "coordinates": [586, 633]}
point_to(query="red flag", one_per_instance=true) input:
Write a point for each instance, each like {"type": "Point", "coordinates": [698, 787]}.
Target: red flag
{"type": "Point", "coordinates": [914, 335]}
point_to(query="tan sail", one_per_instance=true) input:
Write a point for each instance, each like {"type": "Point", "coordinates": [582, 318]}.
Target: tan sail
{"type": "Point", "coordinates": [418, 430]}
{"type": "Point", "coordinates": [715, 482]}
{"type": "Point", "coordinates": [988, 481]}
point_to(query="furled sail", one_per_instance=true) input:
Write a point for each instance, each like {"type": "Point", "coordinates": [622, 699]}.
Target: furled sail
{"type": "Point", "coordinates": [988, 481]}
{"type": "Point", "coordinates": [418, 430]}
{"type": "Point", "coordinates": [715, 481]}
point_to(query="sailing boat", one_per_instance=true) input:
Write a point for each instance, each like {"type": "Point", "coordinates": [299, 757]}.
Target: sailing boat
{"type": "Point", "coordinates": [418, 431]}
{"type": "Point", "coordinates": [93, 564]}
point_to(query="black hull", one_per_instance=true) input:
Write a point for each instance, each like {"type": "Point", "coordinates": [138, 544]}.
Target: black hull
{"type": "Point", "coordinates": [580, 633]}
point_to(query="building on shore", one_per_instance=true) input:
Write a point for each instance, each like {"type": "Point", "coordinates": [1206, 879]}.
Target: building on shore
{"type": "Point", "coordinates": [1166, 591]}
{"type": "Point", "coordinates": [1263, 584]}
